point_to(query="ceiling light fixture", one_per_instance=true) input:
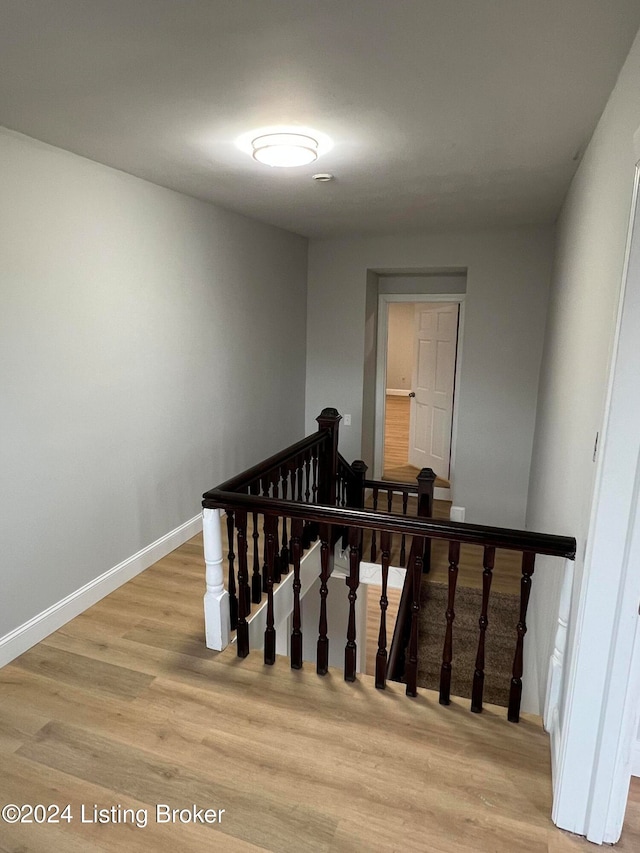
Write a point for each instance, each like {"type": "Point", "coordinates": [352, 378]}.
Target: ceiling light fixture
{"type": "Point", "coordinates": [285, 149]}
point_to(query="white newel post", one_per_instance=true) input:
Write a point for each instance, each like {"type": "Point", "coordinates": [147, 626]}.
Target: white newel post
{"type": "Point", "coordinates": [216, 598]}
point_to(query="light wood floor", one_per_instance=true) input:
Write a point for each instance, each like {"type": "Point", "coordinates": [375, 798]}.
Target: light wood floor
{"type": "Point", "coordinates": [396, 444]}
{"type": "Point", "coordinates": [125, 707]}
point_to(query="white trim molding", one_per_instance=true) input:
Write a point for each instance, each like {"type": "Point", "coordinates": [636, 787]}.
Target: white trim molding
{"type": "Point", "coordinates": [556, 667]}
{"type": "Point", "coordinates": [599, 719]}
{"type": "Point", "coordinates": [25, 636]}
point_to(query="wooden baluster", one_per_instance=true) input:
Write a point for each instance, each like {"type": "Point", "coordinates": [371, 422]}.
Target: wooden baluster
{"type": "Point", "coordinates": [515, 693]}
{"type": "Point", "coordinates": [299, 468]}
{"type": "Point", "coordinates": [374, 545]}
{"type": "Point", "coordinates": [411, 669]}
{"type": "Point", "coordinates": [307, 476]}
{"type": "Point", "coordinates": [265, 494]}
{"type": "Point", "coordinates": [296, 633]}
{"type": "Point", "coordinates": [314, 527]}
{"type": "Point", "coordinates": [314, 474]}
{"type": "Point", "coordinates": [447, 652]}
{"type": "Point", "coordinates": [403, 553]}
{"type": "Point", "coordinates": [350, 651]}
{"type": "Point", "coordinates": [284, 553]}
{"type": "Point", "coordinates": [381, 656]}
{"type": "Point", "coordinates": [389, 499]}
{"type": "Point", "coordinates": [293, 473]}
{"type": "Point", "coordinates": [271, 525]}
{"type": "Point", "coordinates": [256, 577]}
{"type": "Point", "coordinates": [322, 655]}
{"type": "Point", "coordinates": [478, 676]}
{"type": "Point", "coordinates": [243, 585]}
{"type": "Point", "coordinates": [247, 585]}
{"type": "Point", "coordinates": [342, 496]}
{"type": "Point", "coordinates": [277, 567]}
{"type": "Point", "coordinates": [233, 598]}
{"type": "Point", "coordinates": [307, 535]}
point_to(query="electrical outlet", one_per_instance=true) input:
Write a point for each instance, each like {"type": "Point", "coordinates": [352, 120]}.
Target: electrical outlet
{"type": "Point", "coordinates": [346, 419]}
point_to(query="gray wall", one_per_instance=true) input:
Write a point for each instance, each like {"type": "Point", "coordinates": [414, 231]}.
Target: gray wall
{"type": "Point", "coordinates": [143, 358]}
{"type": "Point", "coordinates": [507, 285]}
{"type": "Point", "coordinates": [585, 292]}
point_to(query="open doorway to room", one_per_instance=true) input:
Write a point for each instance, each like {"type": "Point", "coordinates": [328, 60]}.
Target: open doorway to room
{"type": "Point", "coordinates": [419, 354]}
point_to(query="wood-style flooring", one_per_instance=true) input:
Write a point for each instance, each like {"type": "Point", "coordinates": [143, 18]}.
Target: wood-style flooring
{"type": "Point", "coordinates": [124, 708]}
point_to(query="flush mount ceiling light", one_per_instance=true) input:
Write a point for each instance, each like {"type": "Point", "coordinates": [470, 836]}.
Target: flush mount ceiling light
{"type": "Point", "coordinates": [285, 149]}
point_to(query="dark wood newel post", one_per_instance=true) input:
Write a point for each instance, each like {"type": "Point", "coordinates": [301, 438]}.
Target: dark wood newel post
{"type": "Point", "coordinates": [355, 488]}
{"type": "Point", "coordinates": [426, 481]}
{"type": "Point", "coordinates": [328, 421]}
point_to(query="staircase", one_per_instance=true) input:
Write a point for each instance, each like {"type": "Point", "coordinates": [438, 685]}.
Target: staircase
{"type": "Point", "coordinates": [309, 494]}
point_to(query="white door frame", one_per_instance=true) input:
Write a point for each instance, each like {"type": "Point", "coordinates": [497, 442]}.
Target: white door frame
{"type": "Point", "coordinates": [381, 369]}
{"type": "Point", "coordinates": [599, 719]}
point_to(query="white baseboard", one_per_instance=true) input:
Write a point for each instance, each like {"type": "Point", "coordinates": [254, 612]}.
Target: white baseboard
{"type": "Point", "coordinates": [27, 635]}
{"type": "Point", "coordinates": [397, 392]}
{"type": "Point", "coordinates": [635, 759]}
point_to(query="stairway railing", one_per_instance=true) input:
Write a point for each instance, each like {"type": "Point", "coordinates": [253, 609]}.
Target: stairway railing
{"type": "Point", "coordinates": [306, 490]}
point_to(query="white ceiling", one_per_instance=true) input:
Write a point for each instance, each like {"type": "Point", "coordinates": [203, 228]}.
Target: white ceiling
{"type": "Point", "coordinates": [443, 113]}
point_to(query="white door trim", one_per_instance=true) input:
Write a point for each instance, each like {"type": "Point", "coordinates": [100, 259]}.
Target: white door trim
{"type": "Point", "coordinates": [599, 720]}
{"type": "Point", "coordinates": [381, 370]}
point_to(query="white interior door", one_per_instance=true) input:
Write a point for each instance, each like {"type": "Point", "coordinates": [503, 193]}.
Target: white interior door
{"type": "Point", "coordinates": [433, 378]}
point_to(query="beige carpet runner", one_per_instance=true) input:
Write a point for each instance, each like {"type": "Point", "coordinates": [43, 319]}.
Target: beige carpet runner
{"type": "Point", "coordinates": [499, 644]}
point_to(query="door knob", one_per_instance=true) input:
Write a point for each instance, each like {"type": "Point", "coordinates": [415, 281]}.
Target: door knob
{"type": "Point", "coordinates": [412, 393]}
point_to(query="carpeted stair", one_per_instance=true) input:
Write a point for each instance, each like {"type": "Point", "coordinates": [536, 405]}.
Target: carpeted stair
{"type": "Point", "coordinates": [499, 644]}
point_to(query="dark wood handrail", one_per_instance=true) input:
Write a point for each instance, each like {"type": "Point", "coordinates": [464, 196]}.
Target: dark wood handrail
{"type": "Point", "coordinates": [252, 474]}
{"type": "Point", "coordinates": [472, 534]}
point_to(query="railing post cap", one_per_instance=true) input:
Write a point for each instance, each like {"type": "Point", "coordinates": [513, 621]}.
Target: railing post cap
{"type": "Point", "coordinates": [359, 466]}
{"type": "Point", "coordinates": [329, 414]}
{"type": "Point", "coordinates": [427, 474]}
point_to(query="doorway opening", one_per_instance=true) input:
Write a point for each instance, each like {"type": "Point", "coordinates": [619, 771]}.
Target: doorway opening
{"type": "Point", "coordinates": [419, 353]}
